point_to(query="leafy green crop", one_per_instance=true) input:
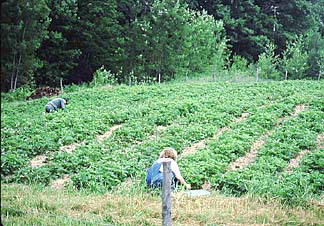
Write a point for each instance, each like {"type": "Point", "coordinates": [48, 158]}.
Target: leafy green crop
{"type": "Point", "coordinates": [178, 115]}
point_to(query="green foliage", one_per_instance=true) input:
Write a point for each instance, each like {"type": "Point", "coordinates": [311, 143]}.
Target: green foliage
{"type": "Point", "coordinates": [177, 115]}
{"type": "Point", "coordinates": [321, 63]}
{"type": "Point", "coordinates": [148, 41]}
{"type": "Point", "coordinates": [98, 34]}
{"type": "Point", "coordinates": [220, 55]}
{"type": "Point", "coordinates": [23, 28]}
{"type": "Point", "coordinates": [294, 60]}
{"type": "Point", "coordinates": [250, 24]}
{"type": "Point", "coordinates": [20, 94]}
{"type": "Point", "coordinates": [313, 41]}
{"type": "Point", "coordinates": [239, 64]}
{"type": "Point", "coordinates": [59, 53]}
{"type": "Point", "coordinates": [206, 44]}
{"type": "Point", "coordinates": [171, 41]}
{"type": "Point", "coordinates": [267, 63]}
{"type": "Point", "coordinates": [102, 77]}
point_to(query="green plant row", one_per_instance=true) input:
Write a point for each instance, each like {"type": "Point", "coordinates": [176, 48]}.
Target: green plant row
{"type": "Point", "coordinates": [142, 116]}
{"type": "Point", "coordinates": [188, 113]}
{"type": "Point", "coordinates": [135, 129]}
{"type": "Point", "coordinates": [267, 176]}
{"type": "Point", "coordinates": [232, 144]}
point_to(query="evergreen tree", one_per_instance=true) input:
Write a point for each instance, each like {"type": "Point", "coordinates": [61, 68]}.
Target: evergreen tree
{"type": "Point", "coordinates": [98, 35]}
{"type": "Point", "coordinates": [23, 28]}
{"type": "Point", "coordinates": [253, 23]}
{"type": "Point", "coordinates": [59, 53]}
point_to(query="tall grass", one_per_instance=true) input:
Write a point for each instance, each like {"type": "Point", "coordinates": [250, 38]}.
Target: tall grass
{"type": "Point", "coordinates": [34, 205]}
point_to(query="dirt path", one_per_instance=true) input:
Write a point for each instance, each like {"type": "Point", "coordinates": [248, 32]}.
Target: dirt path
{"type": "Point", "coordinates": [250, 156]}
{"type": "Point", "coordinates": [201, 144]}
{"type": "Point", "coordinates": [294, 163]}
{"type": "Point", "coordinates": [59, 183]}
{"type": "Point", "coordinates": [319, 141]}
{"type": "Point", "coordinates": [40, 160]}
{"type": "Point", "coordinates": [71, 147]}
{"type": "Point", "coordinates": [101, 138]}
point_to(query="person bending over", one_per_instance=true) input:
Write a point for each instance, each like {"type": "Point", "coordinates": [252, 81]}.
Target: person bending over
{"type": "Point", "coordinates": [154, 176]}
{"type": "Point", "coordinates": [55, 104]}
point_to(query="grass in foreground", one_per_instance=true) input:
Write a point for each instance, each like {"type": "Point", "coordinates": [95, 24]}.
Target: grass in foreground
{"type": "Point", "coordinates": [32, 205]}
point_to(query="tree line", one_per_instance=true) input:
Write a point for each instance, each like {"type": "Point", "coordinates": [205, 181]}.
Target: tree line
{"type": "Point", "coordinates": [44, 42]}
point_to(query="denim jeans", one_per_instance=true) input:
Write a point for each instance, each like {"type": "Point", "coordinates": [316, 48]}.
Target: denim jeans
{"type": "Point", "coordinates": [154, 178]}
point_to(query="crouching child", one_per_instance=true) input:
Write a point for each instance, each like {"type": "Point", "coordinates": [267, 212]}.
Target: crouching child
{"type": "Point", "coordinates": [154, 176]}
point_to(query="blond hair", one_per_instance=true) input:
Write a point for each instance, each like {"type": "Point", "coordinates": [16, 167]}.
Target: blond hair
{"type": "Point", "coordinates": [169, 153]}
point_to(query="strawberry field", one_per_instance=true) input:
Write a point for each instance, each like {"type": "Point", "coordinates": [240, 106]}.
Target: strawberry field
{"type": "Point", "coordinates": [249, 135]}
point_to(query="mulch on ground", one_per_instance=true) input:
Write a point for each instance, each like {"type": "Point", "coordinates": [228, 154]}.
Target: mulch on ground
{"type": "Point", "coordinates": [44, 91]}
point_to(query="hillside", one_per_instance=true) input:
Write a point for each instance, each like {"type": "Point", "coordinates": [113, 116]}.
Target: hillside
{"type": "Point", "coordinates": [264, 139]}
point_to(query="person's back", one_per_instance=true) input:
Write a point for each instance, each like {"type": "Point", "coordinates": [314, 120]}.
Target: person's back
{"type": "Point", "coordinates": [54, 104]}
{"type": "Point", "coordinates": [154, 176]}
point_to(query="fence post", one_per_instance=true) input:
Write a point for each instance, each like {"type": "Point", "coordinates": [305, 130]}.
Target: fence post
{"type": "Point", "coordinates": [166, 194]}
{"type": "Point", "coordinates": [257, 74]}
{"type": "Point", "coordinates": [319, 75]}
{"type": "Point", "coordinates": [61, 84]}
{"type": "Point", "coordinates": [286, 75]}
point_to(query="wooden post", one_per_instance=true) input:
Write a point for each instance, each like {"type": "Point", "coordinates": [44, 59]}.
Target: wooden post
{"type": "Point", "coordinates": [257, 74]}
{"type": "Point", "coordinates": [166, 195]}
{"type": "Point", "coordinates": [159, 77]}
{"type": "Point", "coordinates": [319, 75]}
{"type": "Point", "coordinates": [61, 84]}
{"type": "Point", "coordinates": [286, 75]}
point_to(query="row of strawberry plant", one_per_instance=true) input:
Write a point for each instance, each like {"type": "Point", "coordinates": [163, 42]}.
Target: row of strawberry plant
{"type": "Point", "coordinates": [184, 131]}
{"type": "Point", "coordinates": [140, 120]}
{"type": "Point", "coordinates": [266, 177]}
{"type": "Point", "coordinates": [232, 144]}
{"type": "Point", "coordinates": [26, 132]}
{"type": "Point", "coordinates": [132, 131]}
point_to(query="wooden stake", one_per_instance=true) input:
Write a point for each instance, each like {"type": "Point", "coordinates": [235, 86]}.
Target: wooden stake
{"type": "Point", "coordinates": [319, 75]}
{"type": "Point", "coordinates": [286, 75]}
{"type": "Point", "coordinates": [61, 84]}
{"type": "Point", "coordinates": [166, 194]}
{"type": "Point", "coordinates": [257, 74]}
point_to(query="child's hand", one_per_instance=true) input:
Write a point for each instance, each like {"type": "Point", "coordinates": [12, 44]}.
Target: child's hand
{"type": "Point", "coordinates": [188, 186]}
